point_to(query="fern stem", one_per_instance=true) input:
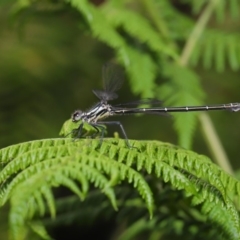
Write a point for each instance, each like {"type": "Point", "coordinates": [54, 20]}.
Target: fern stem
{"type": "Point", "coordinates": [208, 129]}
{"type": "Point", "coordinates": [156, 18]}
{"type": "Point", "coordinates": [212, 139]}
{"type": "Point", "coordinates": [197, 31]}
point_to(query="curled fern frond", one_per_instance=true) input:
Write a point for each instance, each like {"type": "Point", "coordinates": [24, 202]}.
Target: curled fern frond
{"type": "Point", "coordinates": [32, 170]}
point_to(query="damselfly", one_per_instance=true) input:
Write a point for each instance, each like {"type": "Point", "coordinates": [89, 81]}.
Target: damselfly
{"type": "Point", "coordinates": [112, 81]}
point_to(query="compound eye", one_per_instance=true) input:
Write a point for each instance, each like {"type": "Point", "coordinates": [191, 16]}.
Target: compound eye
{"type": "Point", "coordinates": [76, 116]}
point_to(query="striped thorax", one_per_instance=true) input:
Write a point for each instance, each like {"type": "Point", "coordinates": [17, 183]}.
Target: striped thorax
{"type": "Point", "coordinates": [98, 112]}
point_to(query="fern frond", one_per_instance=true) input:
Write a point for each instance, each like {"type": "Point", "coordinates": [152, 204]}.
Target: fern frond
{"type": "Point", "coordinates": [137, 228]}
{"type": "Point", "coordinates": [217, 50]}
{"type": "Point", "coordinates": [40, 203]}
{"type": "Point", "coordinates": [220, 215]}
{"type": "Point", "coordinates": [165, 167]}
{"type": "Point", "coordinates": [11, 152]}
{"type": "Point", "coordinates": [71, 210]}
{"type": "Point", "coordinates": [199, 166]}
{"type": "Point", "coordinates": [183, 88]}
{"type": "Point", "coordinates": [111, 18]}
{"type": "Point", "coordinates": [103, 163]}
{"type": "Point", "coordinates": [104, 25]}
{"type": "Point", "coordinates": [24, 193]}
{"type": "Point", "coordinates": [142, 82]}
{"type": "Point", "coordinates": [234, 8]}
{"type": "Point", "coordinates": [100, 27]}
{"type": "Point", "coordinates": [137, 26]}
{"type": "Point", "coordinates": [28, 178]}
{"type": "Point", "coordinates": [38, 228]}
{"type": "Point", "coordinates": [222, 7]}
{"type": "Point", "coordinates": [179, 25]}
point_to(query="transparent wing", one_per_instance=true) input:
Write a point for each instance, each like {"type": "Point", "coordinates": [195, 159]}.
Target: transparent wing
{"type": "Point", "coordinates": [112, 77]}
{"type": "Point", "coordinates": [148, 101]}
{"type": "Point", "coordinates": [105, 95]}
{"type": "Point", "coordinates": [112, 81]}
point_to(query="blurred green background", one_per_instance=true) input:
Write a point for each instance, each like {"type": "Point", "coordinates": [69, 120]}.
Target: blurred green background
{"type": "Point", "coordinates": [50, 62]}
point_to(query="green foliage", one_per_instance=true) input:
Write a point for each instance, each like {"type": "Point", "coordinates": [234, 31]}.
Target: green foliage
{"type": "Point", "coordinates": [146, 42]}
{"type": "Point", "coordinates": [69, 129]}
{"type": "Point", "coordinates": [182, 88]}
{"type": "Point", "coordinates": [106, 22]}
{"type": "Point", "coordinates": [156, 189]}
{"type": "Point", "coordinates": [32, 170]}
{"type": "Point", "coordinates": [218, 49]}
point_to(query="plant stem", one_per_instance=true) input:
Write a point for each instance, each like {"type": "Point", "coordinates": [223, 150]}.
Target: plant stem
{"type": "Point", "coordinates": [197, 32]}
{"type": "Point", "coordinates": [155, 17]}
{"type": "Point", "coordinates": [212, 140]}
{"type": "Point", "coordinates": [208, 129]}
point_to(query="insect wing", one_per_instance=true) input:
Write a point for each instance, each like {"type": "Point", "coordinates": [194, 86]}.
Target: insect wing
{"type": "Point", "coordinates": [105, 95]}
{"type": "Point", "coordinates": [112, 78]}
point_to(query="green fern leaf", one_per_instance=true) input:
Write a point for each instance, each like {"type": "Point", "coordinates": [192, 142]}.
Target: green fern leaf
{"type": "Point", "coordinates": [217, 47]}
{"type": "Point", "coordinates": [221, 7]}
{"type": "Point", "coordinates": [232, 52]}
{"type": "Point", "coordinates": [234, 8]}
{"type": "Point", "coordinates": [136, 229]}
{"type": "Point", "coordinates": [220, 215]}
{"type": "Point", "coordinates": [48, 195]}
{"type": "Point", "coordinates": [134, 24]}
{"type": "Point", "coordinates": [220, 54]}
{"type": "Point", "coordinates": [29, 176]}
{"type": "Point", "coordinates": [40, 203]}
{"type": "Point", "coordinates": [183, 89]}
{"type": "Point", "coordinates": [142, 82]}
{"type": "Point", "coordinates": [40, 230]}
{"type": "Point", "coordinates": [105, 30]}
